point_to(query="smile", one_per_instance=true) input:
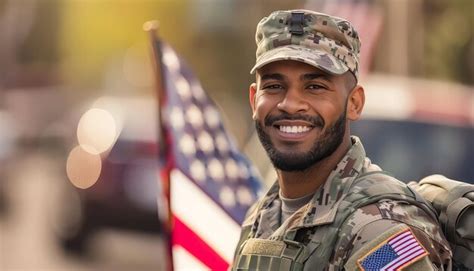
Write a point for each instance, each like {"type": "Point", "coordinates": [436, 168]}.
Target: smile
{"type": "Point", "coordinates": [294, 129]}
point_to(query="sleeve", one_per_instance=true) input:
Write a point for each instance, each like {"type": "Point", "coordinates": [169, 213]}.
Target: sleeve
{"type": "Point", "coordinates": [390, 244]}
{"type": "Point", "coordinates": [402, 238]}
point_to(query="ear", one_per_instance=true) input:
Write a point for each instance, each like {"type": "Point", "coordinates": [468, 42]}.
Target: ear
{"type": "Point", "coordinates": [355, 103]}
{"type": "Point", "coordinates": [252, 96]}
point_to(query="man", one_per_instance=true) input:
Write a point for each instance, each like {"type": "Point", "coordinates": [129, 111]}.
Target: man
{"type": "Point", "coordinates": [329, 208]}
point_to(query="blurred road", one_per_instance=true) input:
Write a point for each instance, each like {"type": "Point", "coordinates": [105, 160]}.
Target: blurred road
{"type": "Point", "coordinates": [27, 238]}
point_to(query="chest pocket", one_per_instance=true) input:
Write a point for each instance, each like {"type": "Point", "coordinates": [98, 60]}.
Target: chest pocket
{"type": "Point", "coordinates": [263, 254]}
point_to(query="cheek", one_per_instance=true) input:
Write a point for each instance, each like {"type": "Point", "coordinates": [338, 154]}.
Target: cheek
{"type": "Point", "coordinates": [329, 109]}
{"type": "Point", "coordinates": [264, 104]}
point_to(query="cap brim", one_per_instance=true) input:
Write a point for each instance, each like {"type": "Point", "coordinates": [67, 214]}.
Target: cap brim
{"type": "Point", "coordinates": [319, 59]}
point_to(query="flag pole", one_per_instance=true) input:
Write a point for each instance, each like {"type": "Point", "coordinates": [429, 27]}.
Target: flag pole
{"type": "Point", "coordinates": [151, 27]}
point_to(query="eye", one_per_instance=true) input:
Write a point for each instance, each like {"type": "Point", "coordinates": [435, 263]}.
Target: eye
{"type": "Point", "coordinates": [273, 87]}
{"type": "Point", "coordinates": [316, 87]}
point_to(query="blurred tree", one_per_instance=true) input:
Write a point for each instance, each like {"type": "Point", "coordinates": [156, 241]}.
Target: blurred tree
{"type": "Point", "coordinates": [95, 33]}
{"type": "Point", "coordinates": [449, 45]}
{"type": "Point", "coordinates": [28, 50]}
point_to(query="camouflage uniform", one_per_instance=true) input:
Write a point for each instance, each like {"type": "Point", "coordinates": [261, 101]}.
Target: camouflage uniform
{"type": "Point", "coordinates": [312, 226]}
{"type": "Point", "coordinates": [342, 227]}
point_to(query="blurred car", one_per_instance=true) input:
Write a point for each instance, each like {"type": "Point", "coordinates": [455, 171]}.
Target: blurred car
{"type": "Point", "coordinates": [125, 194]}
{"type": "Point", "coordinates": [412, 128]}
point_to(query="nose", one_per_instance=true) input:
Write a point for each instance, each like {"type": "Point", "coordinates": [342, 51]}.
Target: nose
{"type": "Point", "coordinates": [293, 102]}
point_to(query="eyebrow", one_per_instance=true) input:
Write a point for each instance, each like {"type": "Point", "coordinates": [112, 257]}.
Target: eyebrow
{"type": "Point", "coordinates": [304, 77]}
{"type": "Point", "coordinates": [272, 76]}
{"type": "Point", "coordinates": [311, 76]}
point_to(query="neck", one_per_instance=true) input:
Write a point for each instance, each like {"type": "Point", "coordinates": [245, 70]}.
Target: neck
{"type": "Point", "coordinates": [295, 184]}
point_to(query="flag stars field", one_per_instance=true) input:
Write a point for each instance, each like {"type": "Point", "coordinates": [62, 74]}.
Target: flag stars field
{"type": "Point", "coordinates": [194, 116]}
{"type": "Point", "coordinates": [198, 171]}
{"type": "Point", "coordinates": [183, 88]}
{"type": "Point", "coordinates": [221, 143]}
{"type": "Point", "coordinates": [227, 197]}
{"type": "Point", "coordinates": [205, 142]}
{"type": "Point", "coordinates": [244, 172]}
{"type": "Point", "coordinates": [171, 60]}
{"type": "Point", "coordinates": [232, 169]}
{"type": "Point", "coordinates": [212, 117]}
{"type": "Point", "coordinates": [187, 145]}
{"type": "Point", "coordinates": [244, 196]}
{"type": "Point", "coordinates": [198, 92]}
{"type": "Point", "coordinates": [177, 118]}
{"type": "Point", "coordinates": [216, 170]}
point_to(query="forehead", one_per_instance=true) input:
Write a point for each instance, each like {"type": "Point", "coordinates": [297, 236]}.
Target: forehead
{"type": "Point", "coordinates": [288, 67]}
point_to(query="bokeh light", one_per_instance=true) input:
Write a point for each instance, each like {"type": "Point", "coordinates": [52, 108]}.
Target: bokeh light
{"type": "Point", "coordinates": [114, 106]}
{"type": "Point", "coordinates": [96, 131]}
{"type": "Point", "coordinates": [83, 168]}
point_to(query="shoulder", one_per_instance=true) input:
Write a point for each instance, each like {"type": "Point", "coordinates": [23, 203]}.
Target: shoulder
{"type": "Point", "coordinates": [371, 230]}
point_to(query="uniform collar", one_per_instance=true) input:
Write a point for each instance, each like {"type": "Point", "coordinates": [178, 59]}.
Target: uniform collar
{"type": "Point", "coordinates": [323, 206]}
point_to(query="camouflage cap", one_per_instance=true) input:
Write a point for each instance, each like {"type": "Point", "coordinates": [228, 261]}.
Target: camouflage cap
{"type": "Point", "coordinates": [324, 41]}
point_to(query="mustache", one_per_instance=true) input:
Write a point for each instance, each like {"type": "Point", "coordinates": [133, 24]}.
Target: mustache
{"type": "Point", "coordinates": [316, 121]}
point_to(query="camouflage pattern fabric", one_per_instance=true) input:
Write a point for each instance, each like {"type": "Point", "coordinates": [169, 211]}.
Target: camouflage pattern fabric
{"type": "Point", "coordinates": [318, 39]}
{"type": "Point", "coordinates": [330, 234]}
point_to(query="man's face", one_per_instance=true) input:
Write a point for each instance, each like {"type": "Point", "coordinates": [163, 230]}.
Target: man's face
{"type": "Point", "coordinates": [299, 112]}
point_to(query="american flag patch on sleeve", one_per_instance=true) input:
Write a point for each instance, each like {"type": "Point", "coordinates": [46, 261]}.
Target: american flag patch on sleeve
{"type": "Point", "coordinates": [395, 253]}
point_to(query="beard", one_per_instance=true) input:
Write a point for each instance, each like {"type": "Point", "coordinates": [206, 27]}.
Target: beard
{"type": "Point", "coordinates": [323, 147]}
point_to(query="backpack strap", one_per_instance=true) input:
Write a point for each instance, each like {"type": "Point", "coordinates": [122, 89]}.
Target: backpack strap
{"type": "Point", "coordinates": [374, 186]}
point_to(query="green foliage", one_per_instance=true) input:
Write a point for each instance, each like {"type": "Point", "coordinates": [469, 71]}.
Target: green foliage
{"type": "Point", "coordinates": [449, 30]}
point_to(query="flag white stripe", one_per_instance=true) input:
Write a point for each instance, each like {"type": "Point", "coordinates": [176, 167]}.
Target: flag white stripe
{"type": "Point", "coordinates": [401, 236]}
{"type": "Point", "coordinates": [183, 260]}
{"type": "Point", "coordinates": [409, 244]}
{"type": "Point", "coordinates": [409, 250]}
{"type": "Point", "coordinates": [404, 261]}
{"type": "Point", "coordinates": [202, 215]}
{"type": "Point", "coordinates": [402, 241]}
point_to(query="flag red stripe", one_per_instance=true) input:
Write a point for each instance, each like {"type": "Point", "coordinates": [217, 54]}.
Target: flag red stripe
{"type": "Point", "coordinates": [185, 237]}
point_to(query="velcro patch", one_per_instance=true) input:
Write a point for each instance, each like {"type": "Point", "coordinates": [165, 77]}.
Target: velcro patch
{"type": "Point", "coordinates": [396, 252]}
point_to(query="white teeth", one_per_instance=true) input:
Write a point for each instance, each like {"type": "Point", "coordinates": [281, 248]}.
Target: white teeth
{"type": "Point", "coordinates": [294, 129]}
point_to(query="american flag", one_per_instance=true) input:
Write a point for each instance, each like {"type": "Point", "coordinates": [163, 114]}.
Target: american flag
{"type": "Point", "coordinates": [364, 15]}
{"type": "Point", "coordinates": [399, 251]}
{"type": "Point", "coordinates": [211, 183]}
